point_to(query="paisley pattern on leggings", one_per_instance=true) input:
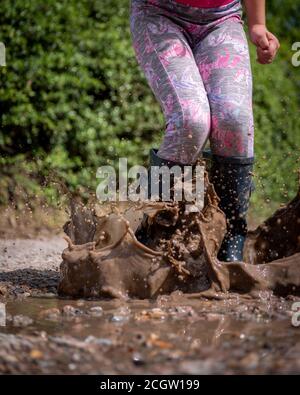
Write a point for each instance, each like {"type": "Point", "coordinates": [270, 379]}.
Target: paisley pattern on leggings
{"type": "Point", "coordinates": [196, 61]}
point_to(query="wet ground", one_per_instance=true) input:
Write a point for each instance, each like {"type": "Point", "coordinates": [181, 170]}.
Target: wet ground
{"type": "Point", "coordinates": [40, 333]}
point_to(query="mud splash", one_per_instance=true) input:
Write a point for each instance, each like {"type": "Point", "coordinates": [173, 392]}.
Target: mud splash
{"type": "Point", "coordinates": [104, 258]}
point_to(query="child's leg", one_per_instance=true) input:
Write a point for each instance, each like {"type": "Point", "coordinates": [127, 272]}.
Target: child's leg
{"type": "Point", "coordinates": [223, 60]}
{"type": "Point", "coordinates": [166, 58]}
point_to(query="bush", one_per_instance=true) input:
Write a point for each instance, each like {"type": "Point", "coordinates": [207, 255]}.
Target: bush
{"type": "Point", "coordinates": [277, 140]}
{"type": "Point", "coordinates": [72, 82]}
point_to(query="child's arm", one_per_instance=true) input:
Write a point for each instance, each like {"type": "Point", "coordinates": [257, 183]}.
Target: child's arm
{"type": "Point", "coordinates": [266, 43]}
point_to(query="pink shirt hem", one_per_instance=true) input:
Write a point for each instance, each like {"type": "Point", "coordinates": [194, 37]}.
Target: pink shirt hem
{"type": "Point", "coordinates": [204, 3]}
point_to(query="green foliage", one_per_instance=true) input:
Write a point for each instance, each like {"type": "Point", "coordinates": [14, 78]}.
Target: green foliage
{"type": "Point", "coordinates": [72, 81]}
{"type": "Point", "coordinates": [73, 97]}
{"type": "Point", "coordinates": [283, 17]}
{"type": "Point", "coordinates": [277, 120]}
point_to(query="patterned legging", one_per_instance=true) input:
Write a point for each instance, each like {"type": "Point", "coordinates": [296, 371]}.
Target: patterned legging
{"type": "Point", "coordinates": [197, 63]}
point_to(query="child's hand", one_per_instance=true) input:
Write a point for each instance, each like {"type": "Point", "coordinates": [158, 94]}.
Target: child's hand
{"type": "Point", "coordinates": [266, 43]}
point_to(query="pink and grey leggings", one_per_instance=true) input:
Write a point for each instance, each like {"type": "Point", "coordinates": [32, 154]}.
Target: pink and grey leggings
{"type": "Point", "coordinates": [196, 61]}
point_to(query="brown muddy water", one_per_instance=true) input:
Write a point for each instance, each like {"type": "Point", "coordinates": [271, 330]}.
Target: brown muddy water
{"type": "Point", "coordinates": [120, 255]}
{"type": "Point", "coordinates": [174, 334]}
{"type": "Point", "coordinates": [105, 303]}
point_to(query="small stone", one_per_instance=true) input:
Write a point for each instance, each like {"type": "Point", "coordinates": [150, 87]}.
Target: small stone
{"type": "Point", "coordinates": [250, 361]}
{"type": "Point", "coordinates": [155, 313]}
{"type": "Point", "coordinates": [36, 354]}
{"type": "Point", "coordinates": [71, 311]}
{"type": "Point", "coordinates": [48, 295]}
{"type": "Point", "coordinates": [96, 311]}
{"type": "Point", "coordinates": [76, 357]}
{"type": "Point", "coordinates": [21, 320]}
{"type": "Point", "coordinates": [119, 318]}
{"type": "Point", "coordinates": [197, 367]}
{"type": "Point", "coordinates": [138, 359]}
{"type": "Point", "coordinates": [121, 315]}
{"type": "Point", "coordinates": [2, 314]}
{"type": "Point", "coordinates": [3, 290]}
{"type": "Point", "coordinates": [99, 341]}
{"type": "Point", "coordinates": [50, 314]}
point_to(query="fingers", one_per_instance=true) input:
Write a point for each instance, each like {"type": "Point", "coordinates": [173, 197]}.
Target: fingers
{"type": "Point", "coordinates": [273, 39]}
{"type": "Point", "coordinates": [263, 42]}
{"type": "Point", "coordinates": [266, 56]}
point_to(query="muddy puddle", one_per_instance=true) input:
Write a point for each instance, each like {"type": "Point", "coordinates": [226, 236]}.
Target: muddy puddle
{"type": "Point", "coordinates": [174, 334]}
{"type": "Point", "coordinates": [110, 303]}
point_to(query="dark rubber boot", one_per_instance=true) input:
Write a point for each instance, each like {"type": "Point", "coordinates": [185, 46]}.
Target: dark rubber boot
{"type": "Point", "coordinates": [155, 160]}
{"type": "Point", "coordinates": [142, 232]}
{"type": "Point", "coordinates": [232, 180]}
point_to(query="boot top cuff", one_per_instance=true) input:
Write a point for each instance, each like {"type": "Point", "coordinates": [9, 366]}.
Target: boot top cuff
{"type": "Point", "coordinates": [236, 160]}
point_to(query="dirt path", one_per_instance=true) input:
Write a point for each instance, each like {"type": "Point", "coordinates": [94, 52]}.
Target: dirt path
{"type": "Point", "coordinates": [39, 254]}
{"type": "Point", "coordinates": [40, 333]}
{"type": "Point", "coordinates": [30, 266]}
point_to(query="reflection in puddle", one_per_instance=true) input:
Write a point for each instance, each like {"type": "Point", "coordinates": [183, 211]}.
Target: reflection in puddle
{"type": "Point", "coordinates": [174, 334]}
{"type": "Point", "coordinates": [180, 324]}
